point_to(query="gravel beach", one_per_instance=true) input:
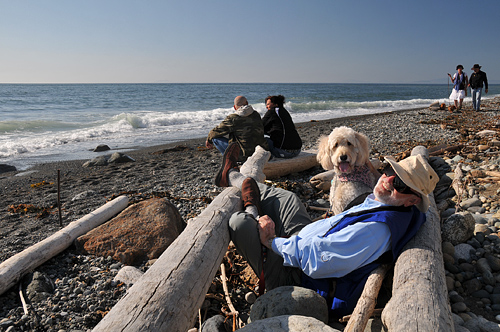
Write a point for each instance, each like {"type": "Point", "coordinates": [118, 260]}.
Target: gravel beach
{"type": "Point", "coordinates": [183, 172]}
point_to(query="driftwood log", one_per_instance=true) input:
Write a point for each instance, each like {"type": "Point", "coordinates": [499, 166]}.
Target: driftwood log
{"type": "Point", "coordinates": [367, 301]}
{"type": "Point", "coordinates": [419, 295]}
{"type": "Point", "coordinates": [14, 268]}
{"type": "Point", "coordinates": [168, 295]}
{"type": "Point", "coordinates": [280, 167]}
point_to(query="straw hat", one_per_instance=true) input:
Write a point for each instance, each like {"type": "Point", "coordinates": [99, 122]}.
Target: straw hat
{"type": "Point", "coordinates": [416, 173]}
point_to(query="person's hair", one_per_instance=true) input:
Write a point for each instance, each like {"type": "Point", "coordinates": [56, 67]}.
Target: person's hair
{"type": "Point", "coordinates": [460, 66]}
{"type": "Point", "coordinates": [278, 100]}
{"type": "Point", "coordinates": [240, 101]}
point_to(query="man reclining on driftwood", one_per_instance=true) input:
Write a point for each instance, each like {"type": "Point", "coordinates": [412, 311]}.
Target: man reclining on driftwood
{"type": "Point", "coordinates": [340, 250]}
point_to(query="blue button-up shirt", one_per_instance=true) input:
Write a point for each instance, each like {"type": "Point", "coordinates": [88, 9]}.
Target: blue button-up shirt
{"type": "Point", "coordinates": [339, 253]}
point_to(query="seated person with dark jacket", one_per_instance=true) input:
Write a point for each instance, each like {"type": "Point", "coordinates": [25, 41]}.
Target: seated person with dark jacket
{"type": "Point", "coordinates": [244, 127]}
{"type": "Point", "coordinates": [283, 139]}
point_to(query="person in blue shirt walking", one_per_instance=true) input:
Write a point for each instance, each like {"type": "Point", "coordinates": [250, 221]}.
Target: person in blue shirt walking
{"type": "Point", "coordinates": [282, 245]}
{"type": "Point", "coordinates": [459, 91]}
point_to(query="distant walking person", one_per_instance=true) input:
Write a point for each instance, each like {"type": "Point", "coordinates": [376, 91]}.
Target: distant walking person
{"type": "Point", "coordinates": [460, 83]}
{"type": "Point", "coordinates": [283, 139]}
{"type": "Point", "coordinates": [244, 127]}
{"type": "Point", "coordinates": [476, 81]}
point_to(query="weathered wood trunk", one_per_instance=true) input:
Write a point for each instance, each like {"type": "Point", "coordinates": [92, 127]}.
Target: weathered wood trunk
{"type": "Point", "coordinates": [14, 268]}
{"type": "Point", "coordinates": [419, 295]}
{"type": "Point", "coordinates": [168, 295]}
{"type": "Point", "coordinates": [280, 167]}
{"type": "Point", "coordinates": [367, 301]}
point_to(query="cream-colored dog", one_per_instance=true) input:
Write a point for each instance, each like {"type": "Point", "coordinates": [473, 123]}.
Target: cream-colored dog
{"type": "Point", "coordinates": [346, 153]}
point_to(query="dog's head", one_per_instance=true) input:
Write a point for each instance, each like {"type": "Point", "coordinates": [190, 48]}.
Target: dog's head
{"type": "Point", "coordinates": [343, 149]}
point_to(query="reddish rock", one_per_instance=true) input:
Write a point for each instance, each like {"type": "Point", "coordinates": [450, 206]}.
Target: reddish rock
{"type": "Point", "coordinates": [141, 232]}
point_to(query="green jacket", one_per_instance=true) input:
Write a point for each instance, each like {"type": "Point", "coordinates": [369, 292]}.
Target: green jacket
{"type": "Point", "coordinates": [243, 126]}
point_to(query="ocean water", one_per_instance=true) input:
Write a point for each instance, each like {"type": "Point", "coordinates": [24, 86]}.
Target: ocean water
{"type": "Point", "coordinates": [52, 122]}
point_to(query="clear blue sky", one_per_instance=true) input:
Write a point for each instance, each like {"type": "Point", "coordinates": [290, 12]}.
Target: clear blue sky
{"type": "Point", "coordinates": [285, 41]}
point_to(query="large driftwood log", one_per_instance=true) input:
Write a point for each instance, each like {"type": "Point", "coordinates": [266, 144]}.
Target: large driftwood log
{"type": "Point", "coordinates": [14, 268]}
{"type": "Point", "coordinates": [419, 295]}
{"type": "Point", "coordinates": [168, 295]}
{"type": "Point", "coordinates": [367, 301]}
{"type": "Point", "coordinates": [279, 167]}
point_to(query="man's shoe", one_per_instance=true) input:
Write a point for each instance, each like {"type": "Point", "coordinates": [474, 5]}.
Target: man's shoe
{"type": "Point", "coordinates": [250, 194]}
{"type": "Point", "coordinates": [229, 160]}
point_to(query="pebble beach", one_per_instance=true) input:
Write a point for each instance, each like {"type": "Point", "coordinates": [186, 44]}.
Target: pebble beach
{"type": "Point", "coordinates": [184, 172]}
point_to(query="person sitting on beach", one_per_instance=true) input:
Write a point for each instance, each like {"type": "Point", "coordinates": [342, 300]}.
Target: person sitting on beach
{"type": "Point", "coordinates": [244, 126]}
{"type": "Point", "coordinates": [460, 83]}
{"type": "Point", "coordinates": [283, 139]}
{"type": "Point", "coordinates": [277, 238]}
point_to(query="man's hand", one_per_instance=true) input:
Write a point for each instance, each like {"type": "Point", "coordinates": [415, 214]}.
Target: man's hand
{"type": "Point", "coordinates": [266, 230]}
{"type": "Point", "coordinates": [209, 145]}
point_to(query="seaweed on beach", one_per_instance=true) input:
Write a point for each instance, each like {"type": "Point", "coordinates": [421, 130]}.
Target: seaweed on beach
{"type": "Point", "coordinates": [40, 184]}
{"type": "Point", "coordinates": [40, 212]}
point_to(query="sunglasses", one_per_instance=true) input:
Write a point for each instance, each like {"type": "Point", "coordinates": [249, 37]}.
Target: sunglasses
{"type": "Point", "coordinates": [398, 184]}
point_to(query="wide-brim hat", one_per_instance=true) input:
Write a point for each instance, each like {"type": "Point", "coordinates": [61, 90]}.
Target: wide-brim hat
{"type": "Point", "coordinates": [460, 66]}
{"type": "Point", "coordinates": [416, 173]}
{"type": "Point", "coordinates": [476, 66]}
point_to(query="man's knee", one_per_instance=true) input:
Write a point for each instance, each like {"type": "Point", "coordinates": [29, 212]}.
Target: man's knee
{"type": "Point", "coordinates": [242, 222]}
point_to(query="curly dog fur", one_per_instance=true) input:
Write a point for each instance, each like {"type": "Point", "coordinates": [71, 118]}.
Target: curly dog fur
{"type": "Point", "coordinates": [347, 153]}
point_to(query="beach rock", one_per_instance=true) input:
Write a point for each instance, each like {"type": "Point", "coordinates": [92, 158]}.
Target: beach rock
{"type": "Point", "coordinates": [98, 161]}
{"type": "Point", "coordinates": [486, 133]}
{"type": "Point", "coordinates": [128, 275]}
{"type": "Point", "coordinates": [458, 228]}
{"type": "Point", "coordinates": [480, 324]}
{"type": "Point", "coordinates": [83, 195]}
{"type": "Point", "coordinates": [119, 158]}
{"type": "Point", "coordinates": [40, 287]}
{"type": "Point", "coordinates": [448, 248]}
{"type": "Point", "coordinates": [290, 323]}
{"type": "Point", "coordinates": [459, 328]}
{"type": "Point", "coordinates": [290, 300]}
{"type": "Point", "coordinates": [140, 232]}
{"type": "Point", "coordinates": [493, 262]}
{"type": "Point", "coordinates": [250, 297]}
{"type": "Point", "coordinates": [472, 285]}
{"type": "Point", "coordinates": [474, 201]}
{"type": "Point", "coordinates": [480, 228]}
{"type": "Point", "coordinates": [215, 324]}
{"type": "Point", "coordinates": [7, 168]}
{"type": "Point", "coordinates": [448, 212]}
{"type": "Point", "coordinates": [101, 147]}
{"type": "Point", "coordinates": [463, 252]}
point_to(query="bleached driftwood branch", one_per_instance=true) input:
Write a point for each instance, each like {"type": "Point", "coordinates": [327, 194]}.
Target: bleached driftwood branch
{"type": "Point", "coordinates": [14, 268]}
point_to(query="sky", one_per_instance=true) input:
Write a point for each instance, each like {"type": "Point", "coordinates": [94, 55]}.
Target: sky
{"type": "Point", "coordinates": [234, 41]}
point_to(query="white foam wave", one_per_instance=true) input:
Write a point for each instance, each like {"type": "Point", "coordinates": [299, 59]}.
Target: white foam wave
{"type": "Point", "coordinates": [147, 128]}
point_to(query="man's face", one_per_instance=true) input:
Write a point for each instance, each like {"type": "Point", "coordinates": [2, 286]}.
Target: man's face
{"type": "Point", "coordinates": [384, 192]}
{"type": "Point", "coordinates": [476, 70]}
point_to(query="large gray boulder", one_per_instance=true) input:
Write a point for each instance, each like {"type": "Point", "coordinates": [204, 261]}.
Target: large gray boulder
{"type": "Point", "coordinates": [458, 228]}
{"type": "Point", "coordinates": [290, 323]}
{"type": "Point", "coordinates": [290, 300]}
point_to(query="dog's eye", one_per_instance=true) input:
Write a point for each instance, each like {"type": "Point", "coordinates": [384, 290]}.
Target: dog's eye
{"type": "Point", "coordinates": [336, 145]}
{"type": "Point", "coordinates": [349, 143]}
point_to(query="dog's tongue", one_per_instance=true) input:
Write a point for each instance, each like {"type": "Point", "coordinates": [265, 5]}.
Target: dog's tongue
{"type": "Point", "coordinates": [344, 167]}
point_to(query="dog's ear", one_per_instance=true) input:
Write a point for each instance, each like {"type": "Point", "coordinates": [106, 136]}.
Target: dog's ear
{"type": "Point", "coordinates": [323, 156]}
{"type": "Point", "coordinates": [364, 148]}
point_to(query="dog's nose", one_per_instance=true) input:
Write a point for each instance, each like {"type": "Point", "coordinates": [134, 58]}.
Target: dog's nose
{"type": "Point", "coordinates": [343, 157]}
